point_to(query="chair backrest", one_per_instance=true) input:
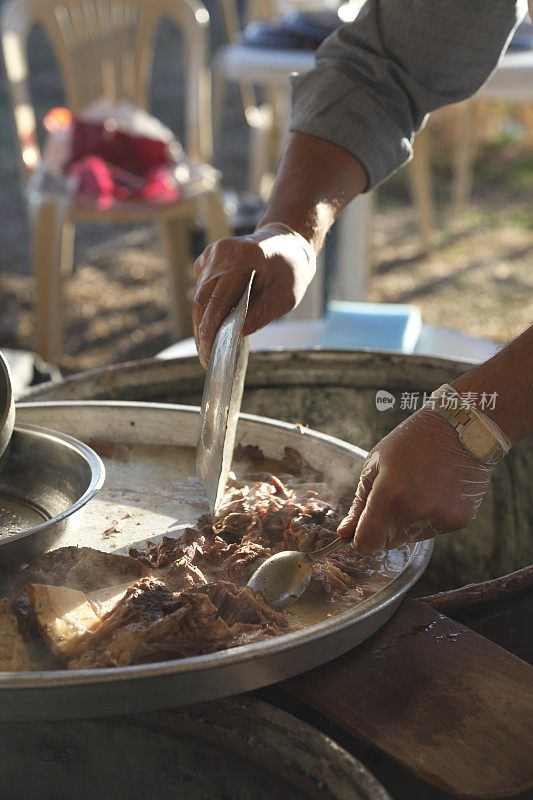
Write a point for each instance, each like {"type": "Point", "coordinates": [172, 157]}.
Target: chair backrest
{"type": "Point", "coordinates": [104, 48]}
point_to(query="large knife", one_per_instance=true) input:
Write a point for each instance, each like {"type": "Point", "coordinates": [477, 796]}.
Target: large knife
{"type": "Point", "coordinates": [221, 402]}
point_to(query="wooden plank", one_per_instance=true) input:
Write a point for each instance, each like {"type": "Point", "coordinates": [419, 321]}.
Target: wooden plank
{"type": "Point", "coordinates": [452, 707]}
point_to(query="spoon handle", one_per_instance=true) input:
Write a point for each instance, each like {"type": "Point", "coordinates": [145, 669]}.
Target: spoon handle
{"type": "Point", "coordinates": [329, 548]}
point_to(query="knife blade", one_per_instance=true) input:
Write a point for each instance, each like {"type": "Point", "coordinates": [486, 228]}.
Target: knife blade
{"type": "Point", "coordinates": [221, 402]}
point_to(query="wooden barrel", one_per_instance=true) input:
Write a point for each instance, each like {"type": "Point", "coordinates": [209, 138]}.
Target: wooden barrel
{"type": "Point", "coordinates": [239, 748]}
{"type": "Point", "coordinates": [335, 392]}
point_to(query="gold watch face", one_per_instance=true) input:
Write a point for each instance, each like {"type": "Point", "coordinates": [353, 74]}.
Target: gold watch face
{"type": "Point", "coordinates": [477, 439]}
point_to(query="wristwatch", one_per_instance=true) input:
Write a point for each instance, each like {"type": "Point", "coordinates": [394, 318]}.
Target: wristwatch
{"type": "Point", "coordinates": [479, 434]}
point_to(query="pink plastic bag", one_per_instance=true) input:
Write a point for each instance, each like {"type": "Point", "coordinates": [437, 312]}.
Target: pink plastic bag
{"type": "Point", "coordinates": [115, 166]}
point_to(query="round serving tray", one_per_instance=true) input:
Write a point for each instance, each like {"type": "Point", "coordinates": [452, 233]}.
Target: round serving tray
{"type": "Point", "coordinates": [147, 494]}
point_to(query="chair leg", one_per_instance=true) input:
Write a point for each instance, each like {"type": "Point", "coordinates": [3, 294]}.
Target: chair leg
{"type": "Point", "coordinates": [52, 252]}
{"type": "Point", "coordinates": [421, 190]}
{"type": "Point", "coordinates": [218, 93]}
{"type": "Point", "coordinates": [465, 153]}
{"type": "Point", "coordinates": [260, 122]}
{"type": "Point", "coordinates": [216, 223]}
{"type": "Point", "coordinates": [175, 232]}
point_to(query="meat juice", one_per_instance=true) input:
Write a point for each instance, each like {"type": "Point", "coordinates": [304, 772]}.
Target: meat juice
{"type": "Point", "coordinates": [17, 515]}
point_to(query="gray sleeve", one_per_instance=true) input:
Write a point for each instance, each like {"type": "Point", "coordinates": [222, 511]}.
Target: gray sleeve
{"type": "Point", "coordinates": [377, 78]}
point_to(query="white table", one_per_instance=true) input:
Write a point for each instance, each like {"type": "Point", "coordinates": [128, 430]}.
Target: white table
{"type": "Point", "coordinates": [512, 81]}
{"type": "Point", "coordinates": [305, 334]}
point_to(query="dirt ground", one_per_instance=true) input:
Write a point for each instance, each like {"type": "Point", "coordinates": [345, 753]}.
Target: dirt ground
{"type": "Point", "coordinates": [478, 280]}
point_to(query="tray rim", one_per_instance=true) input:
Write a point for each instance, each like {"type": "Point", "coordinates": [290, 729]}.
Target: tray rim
{"type": "Point", "coordinates": [391, 594]}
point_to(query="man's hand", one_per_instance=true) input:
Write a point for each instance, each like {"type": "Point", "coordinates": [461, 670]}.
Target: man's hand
{"type": "Point", "coordinates": [284, 263]}
{"type": "Point", "coordinates": [417, 482]}
{"type": "Point", "coordinates": [315, 180]}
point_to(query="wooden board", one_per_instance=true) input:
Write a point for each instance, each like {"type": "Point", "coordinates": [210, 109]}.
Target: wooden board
{"type": "Point", "coordinates": [451, 706]}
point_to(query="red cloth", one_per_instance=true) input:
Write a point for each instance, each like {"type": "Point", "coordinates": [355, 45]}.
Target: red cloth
{"type": "Point", "coordinates": [112, 166]}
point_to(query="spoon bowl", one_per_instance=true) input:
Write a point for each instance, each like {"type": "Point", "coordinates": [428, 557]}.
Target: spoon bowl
{"type": "Point", "coordinates": [282, 578]}
{"type": "Point", "coordinates": [285, 576]}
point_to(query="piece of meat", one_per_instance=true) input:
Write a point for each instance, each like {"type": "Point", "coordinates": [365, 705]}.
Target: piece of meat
{"type": "Point", "coordinates": [233, 561]}
{"type": "Point", "coordinates": [301, 535]}
{"type": "Point", "coordinates": [242, 605]}
{"type": "Point", "coordinates": [330, 582]}
{"type": "Point", "coordinates": [274, 516]}
{"type": "Point", "coordinates": [244, 560]}
{"type": "Point", "coordinates": [181, 566]}
{"type": "Point", "coordinates": [235, 525]}
{"type": "Point", "coordinates": [57, 617]}
{"type": "Point", "coordinates": [79, 568]}
{"type": "Point", "coordinates": [62, 616]}
{"type": "Point", "coordinates": [169, 550]}
{"type": "Point", "coordinates": [255, 513]}
{"type": "Point", "coordinates": [173, 561]}
{"type": "Point", "coordinates": [280, 488]}
{"type": "Point", "coordinates": [14, 654]}
{"type": "Point", "coordinates": [295, 464]}
{"type": "Point", "coordinates": [350, 562]}
{"type": "Point", "coordinates": [248, 452]}
{"type": "Point", "coordinates": [152, 624]}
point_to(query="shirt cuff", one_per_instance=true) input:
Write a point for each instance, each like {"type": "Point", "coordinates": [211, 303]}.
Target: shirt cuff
{"type": "Point", "coordinates": [328, 104]}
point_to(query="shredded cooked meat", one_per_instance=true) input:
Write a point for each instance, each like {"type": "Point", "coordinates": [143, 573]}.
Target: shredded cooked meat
{"type": "Point", "coordinates": [249, 452]}
{"type": "Point", "coordinates": [153, 624]}
{"type": "Point", "coordinates": [79, 568]}
{"type": "Point", "coordinates": [186, 596]}
{"type": "Point", "coordinates": [240, 604]}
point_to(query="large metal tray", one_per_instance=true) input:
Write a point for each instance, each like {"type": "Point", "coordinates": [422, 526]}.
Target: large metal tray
{"type": "Point", "coordinates": [153, 494]}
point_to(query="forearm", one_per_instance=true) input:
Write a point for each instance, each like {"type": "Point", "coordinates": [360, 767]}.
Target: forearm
{"type": "Point", "coordinates": [509, 376]}
{"type": "Point", "coordinates": [315, 181]}
{"type": "Point", "coordinates": [377, 78]}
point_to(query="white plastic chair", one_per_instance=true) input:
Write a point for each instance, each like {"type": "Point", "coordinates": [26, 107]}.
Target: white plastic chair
{"type": "Point", "coordinates": [104, 48]}
{"type": "Point", "coordinates": [512, 82]}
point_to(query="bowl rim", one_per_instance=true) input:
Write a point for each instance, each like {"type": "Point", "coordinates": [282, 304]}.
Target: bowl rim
{"type": "Point", "coordinates": [92, 459]}
{"type": "Point", "coordinates": [7, 410]}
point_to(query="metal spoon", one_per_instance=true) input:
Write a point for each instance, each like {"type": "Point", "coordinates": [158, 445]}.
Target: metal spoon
{"type": "Point", "coordinates": [285, 576]}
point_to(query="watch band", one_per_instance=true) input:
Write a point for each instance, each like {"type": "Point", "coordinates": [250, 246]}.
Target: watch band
{"type": "Point", "coordinates": [446, 401]}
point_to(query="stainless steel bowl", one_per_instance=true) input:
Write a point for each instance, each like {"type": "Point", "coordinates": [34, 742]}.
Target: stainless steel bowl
{"type": "Point", "coordinates": [7, 408]}
{"type": "Point", "coordinates": [47, 480]}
